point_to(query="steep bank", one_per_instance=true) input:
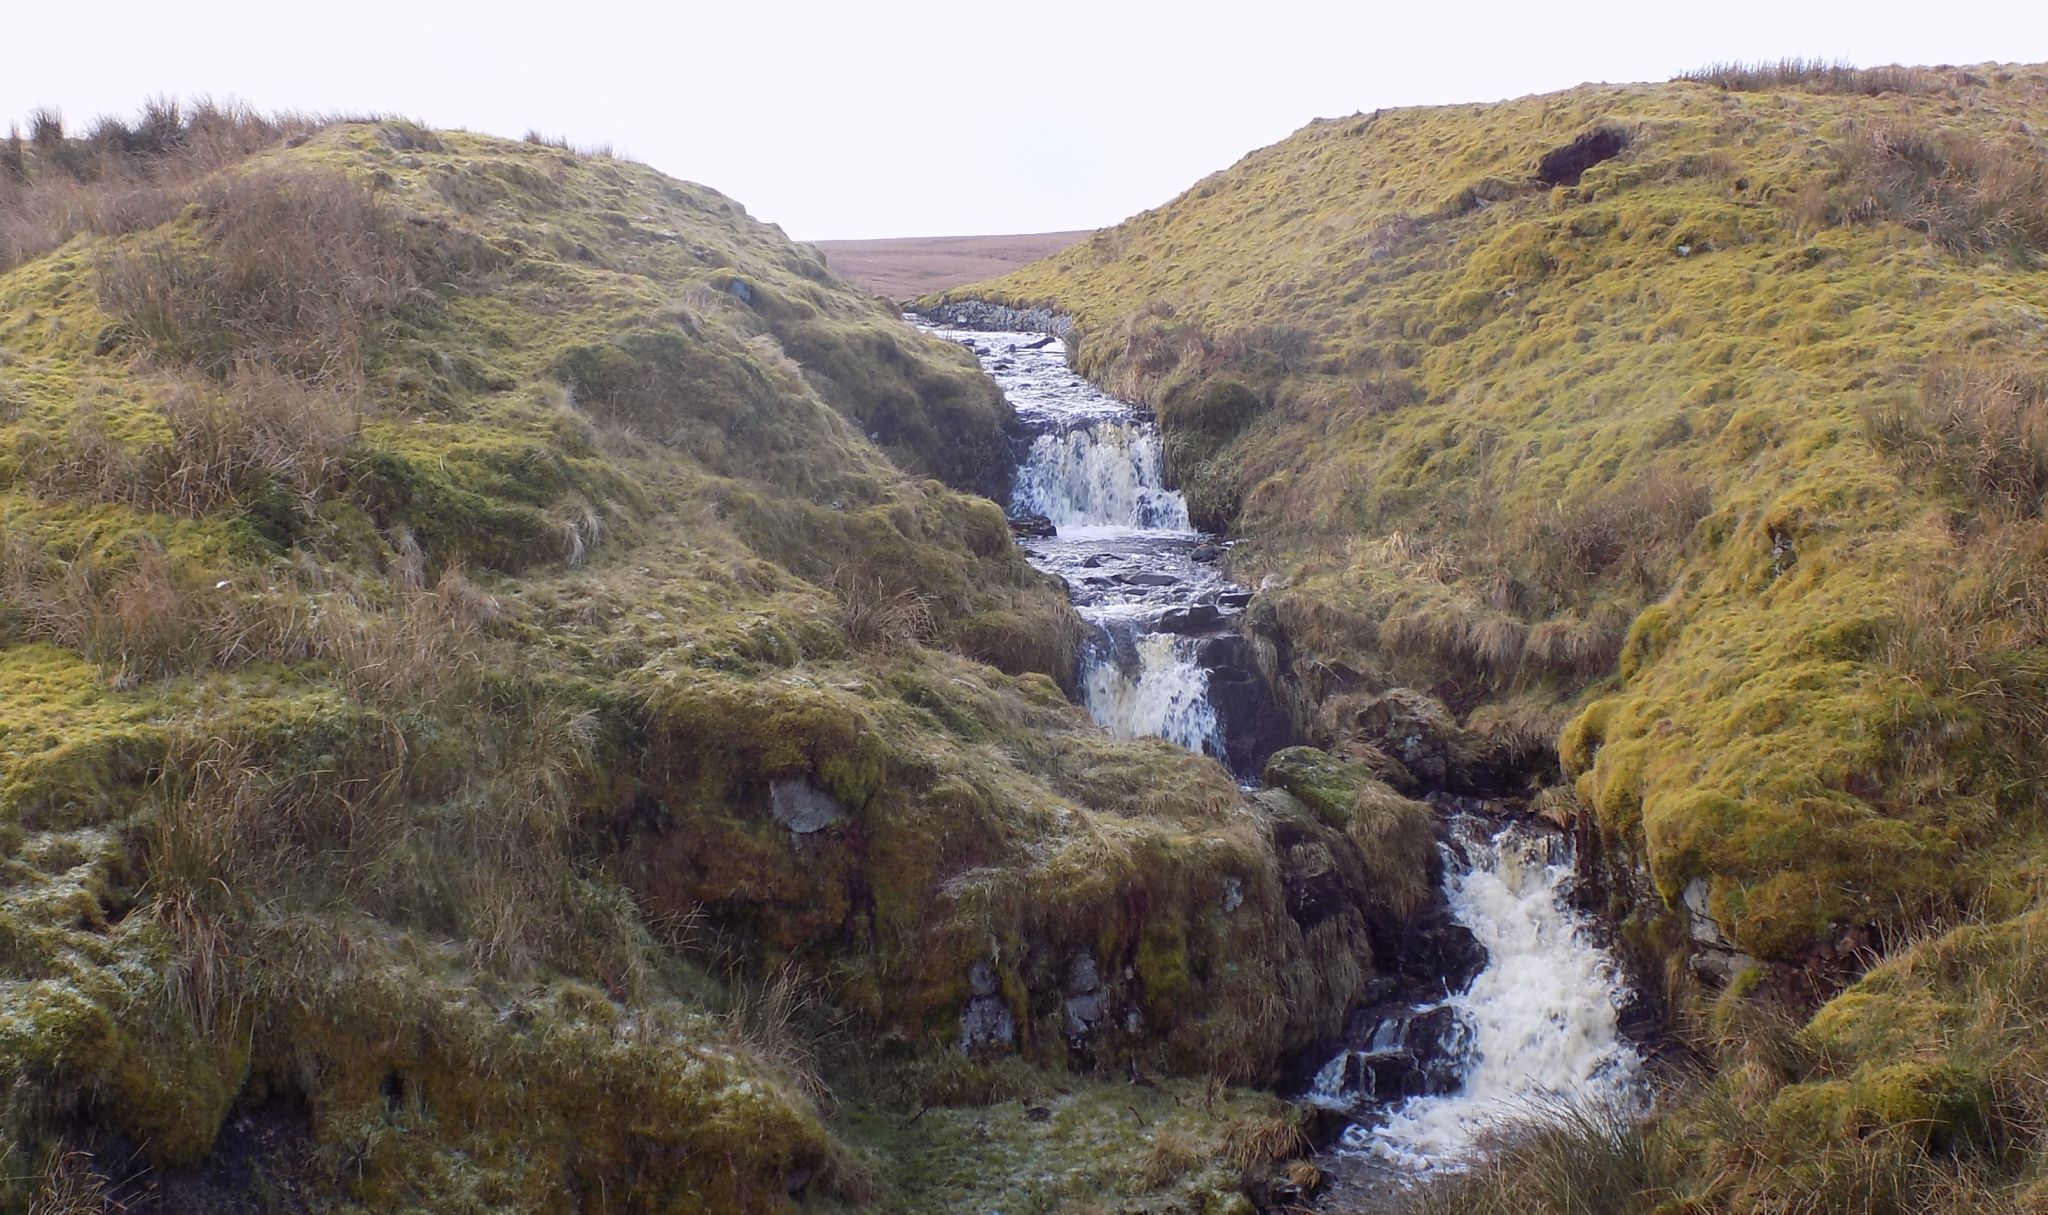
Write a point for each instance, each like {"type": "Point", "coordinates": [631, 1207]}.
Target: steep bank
{"type": "Point", "coordinates": [1694, 428]}
{"type": "Point", "coordinates": [513, 702]}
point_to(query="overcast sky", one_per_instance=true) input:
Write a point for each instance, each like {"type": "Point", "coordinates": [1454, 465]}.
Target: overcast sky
{"type": "Point", "coordinates": [852, 120]}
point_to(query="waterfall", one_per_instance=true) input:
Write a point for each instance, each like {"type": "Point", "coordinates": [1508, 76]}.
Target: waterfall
{"type": "Point", "coordinates": [1164, 692]}
{"type": "Point", "coordinates": [1099, 473]}
{"type": "Point", "coordinates": [1540, 1023]}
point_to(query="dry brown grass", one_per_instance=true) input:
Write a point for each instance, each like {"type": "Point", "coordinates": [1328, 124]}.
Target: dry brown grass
{"type": "Point", "coordinates": [1971, 195]}
{"type": "Point", "coordinates": [779, 1016]}
{"type": "Point", "coordinates": [122, 178]}
{"type": "Point", "coordinates": [1173, 1154]}
{"type": "Point", "coordinates": [258, 434]}
{"type": "Point", "coordinates": [1257, 1141]}
{"type": "Point", "coordinates": [293, 268]}
{"type": "Point", "coordinates": [70, 1185]}
{"type": "Point", "coordinates": [878, 619]}
{"type": "Point", "coordinates": [1979, 429]}
{"type": "Point", "coordinates": [1819, 76]}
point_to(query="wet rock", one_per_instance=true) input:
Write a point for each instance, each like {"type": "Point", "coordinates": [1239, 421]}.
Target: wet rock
{"type": "Point", "coordinates": [1407, 1052]}
{"type": "Point", "coordinates": [980, 314]}
{"type": "Point", "coordinates": [1253, 726]}
{"type": "Point", "coordinates": [1191, 619]}
{"type": "Point", "coordinates": [1041, 343]}
{"type": "Point", "coordinates": [1148, 578]}
{"type": "Point", "coordinates": [1001, 365]}
{"type": "Point", "coordinates": [1095, 561]}
{"type": "Point", "coordinates": [801, 806]}
{"type": "Point", "coordinates": [1233, 599]}
{"type": "Point", "coordinates": [1206, 553]}
{"type": "Point", "coordinates": [1034, 526]}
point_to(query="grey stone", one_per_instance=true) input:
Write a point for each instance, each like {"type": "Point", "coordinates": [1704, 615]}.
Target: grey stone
{"type": "Point", "coordinates": [1193, 618]}
{"type": "Point", "coordinates": [1233, 894]}
{"type": "Point", "coordinates": [986, 1023]}
{"type": "Point", "coordinates": [981, 979]}
{"type": "Point", "coordinates": [1082, 975]}
{"type": "Point", "coordinates": [1700, 921]}
{"type": "Point", "coordinates": [1084, 1013]}
{"type": "Point", "coordinates": [802, 806]}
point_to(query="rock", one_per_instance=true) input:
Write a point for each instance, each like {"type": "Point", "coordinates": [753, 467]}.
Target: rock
{"type": "Point", "coordinates": [1233, 599]}
{"type": "Point", "coordinates": [1206, 553]}
{"type": "Point", "coordinates": [1001, 365]}
{"type": "Point", "coordinates": [1191, 619]}
{"type": "Point", "coordinates": [1414, 729]}
{"type": "Point", "coordinates": [986, 1024]}
{"type": "Point", "coordinates": [1233, 894]}
{"type": "Point", "coordinates": [739, 290]}
{"type": "Point", "coordinates": [1700, 923]}
{"type": "Point", "coordinates": [1083, 1013]}
{"type": "Point", "coordinates": [1035, 526]}
{"type": "Point", "coordinates": [1148, 578]}
{"type": "Point", "coordinates": [1722, 966]}
{"type": "Point", "coordinates": [1095, 561]}
{"type": "Point", "coordinates": [980, 314]}
{"type": "Point", "coordinates": [1252, 724]}
{"type": "Point", "coordinates": [802, 806]}
{"type": "Point", "coordinates": [1403, 1052]}
{"type": "Point", "coordinates": [1082, 975]}
{"type": "Point", "coordinates": [1041, 343]}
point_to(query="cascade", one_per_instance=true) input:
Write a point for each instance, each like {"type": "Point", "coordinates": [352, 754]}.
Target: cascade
{"type": "Point", "coordinates": [1420, 1081]}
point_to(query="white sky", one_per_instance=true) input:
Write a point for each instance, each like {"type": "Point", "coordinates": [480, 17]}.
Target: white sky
{"type": "Point", "coordinates": [854, 120]}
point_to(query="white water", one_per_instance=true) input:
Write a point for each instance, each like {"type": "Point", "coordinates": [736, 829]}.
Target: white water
{"type": "Point", "coordinates": [1166, 696]}
{"type": "Point", "coordinates": [1099, 474]}
{"type": "Point", "coordinates": [1543, 1016]}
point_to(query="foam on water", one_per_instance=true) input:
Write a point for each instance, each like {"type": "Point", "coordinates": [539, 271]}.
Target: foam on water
{"type": "Point", "coordinates": [1165, 693]}
{"type": "Point", "coordinates": [1541, 1021]}
{"type": "Point", "coordinates": [1101, 474]}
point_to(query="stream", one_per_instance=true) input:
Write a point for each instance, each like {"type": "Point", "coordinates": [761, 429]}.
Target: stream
{"type": "Point", "coordinates": [1415, 1082]}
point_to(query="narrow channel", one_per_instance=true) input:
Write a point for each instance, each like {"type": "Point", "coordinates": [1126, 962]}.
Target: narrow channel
{"type": "Point", "coordinates": [1419, 1080]}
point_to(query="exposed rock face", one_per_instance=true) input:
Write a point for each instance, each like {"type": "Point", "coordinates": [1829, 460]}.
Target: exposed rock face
{"type": "Point", "coordinates": [1715, 957]}
{"type": "Point", "coordinates": [800, 805]}
{"type": "Point", "coordinates": [986, 1023]}
{"type": "Point", "coordinates": [1414, 729]}
{"type": "Point", "coordinates": [979, 314]}
{"type": "Point", "coordinates": [1253, 727]}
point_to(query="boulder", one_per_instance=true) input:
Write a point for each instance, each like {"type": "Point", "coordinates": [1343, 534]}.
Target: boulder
{"type": "Point", "coordinates": [1191, 619]}
{"type": "Point", "coordinates": [1035, 526]}
{"type": "Point", "coordinates": [800, 805]}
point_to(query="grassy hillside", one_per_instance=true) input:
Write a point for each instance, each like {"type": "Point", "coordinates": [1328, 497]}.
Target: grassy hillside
{"type": "Point", "coordinates": [1702, 428]}
{"type": "Point", "coordinates": [509, 701]}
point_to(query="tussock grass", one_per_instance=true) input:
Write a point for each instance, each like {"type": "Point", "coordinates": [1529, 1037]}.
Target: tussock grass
{"type": "Point", "coordinates": [1970, 193]}
{"type": "Point", "coordinates": [1819, 76]}
{"type": "Point", "coordinates": [122, 177]}
{"type": "Point", "coordinates": [292, 269]}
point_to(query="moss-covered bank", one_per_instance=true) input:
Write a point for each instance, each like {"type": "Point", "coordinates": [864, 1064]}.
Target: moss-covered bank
{"type": "Point", "coordinates": [1695, 426]}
